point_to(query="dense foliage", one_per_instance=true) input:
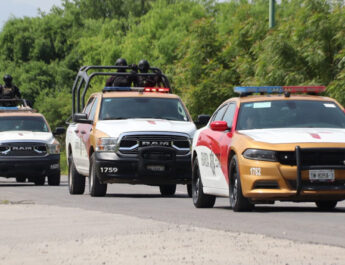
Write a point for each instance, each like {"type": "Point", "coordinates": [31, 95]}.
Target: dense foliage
{"type": "Point", "coordinates": [205, 47]}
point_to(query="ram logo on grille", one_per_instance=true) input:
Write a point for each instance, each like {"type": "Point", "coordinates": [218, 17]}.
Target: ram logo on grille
{"type": "Point", "coordinates": [21, 148]}
{"type": "Point", "coordinates": [155, 143]}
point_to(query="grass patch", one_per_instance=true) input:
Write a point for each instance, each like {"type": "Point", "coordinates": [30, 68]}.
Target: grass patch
{"type": "Point", "coordinates": [7, 202]}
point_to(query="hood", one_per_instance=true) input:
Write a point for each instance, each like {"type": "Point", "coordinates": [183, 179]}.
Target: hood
{"type": "Point", "coordinates": [26, 136]}
{"type": "Point", "coordinates": [296, 135]}
{"type": "Point", "coordinates": [114, 128]}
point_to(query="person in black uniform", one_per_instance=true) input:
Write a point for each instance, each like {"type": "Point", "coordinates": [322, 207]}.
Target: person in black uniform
{"type": "Point", "coordinates": [147, 81]}
{"type": "Point", "coordinates": [121, 80]}
{"type": "Point", "coordinates": [9, 91]}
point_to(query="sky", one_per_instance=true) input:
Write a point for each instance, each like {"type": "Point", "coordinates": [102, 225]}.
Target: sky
{"type": "Point", "coordinates": [21, 8]}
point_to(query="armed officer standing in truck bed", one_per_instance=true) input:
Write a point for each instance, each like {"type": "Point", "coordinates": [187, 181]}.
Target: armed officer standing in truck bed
{"type": "Point", "coordinates": [122, 80]}
{"type": "Point", "coordinates": [148, 81]}
{"type": "Point", "coordinates": [9, 91]}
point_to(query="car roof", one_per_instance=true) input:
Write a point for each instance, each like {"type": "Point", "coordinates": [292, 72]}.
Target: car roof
{"type": "Point", "coordinates": [20, 114]}
{"type": "Point", "coordinates": [136, 94]}
{"type": "Point", "coordinates": [274, 97]}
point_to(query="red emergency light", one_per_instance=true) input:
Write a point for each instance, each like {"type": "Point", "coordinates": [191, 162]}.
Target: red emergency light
{"type": "Point", "coordinates": [157, 89]}
{"type": "Point", "coordinates": [304, 89]}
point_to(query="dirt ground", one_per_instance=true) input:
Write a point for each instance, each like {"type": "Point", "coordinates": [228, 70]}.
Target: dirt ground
{"type": "Point", "coordinates": [36, 234]}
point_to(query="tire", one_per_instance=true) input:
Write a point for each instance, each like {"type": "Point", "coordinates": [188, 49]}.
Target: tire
{"type": "Point", "coordinates": [326, 205]}
{"type": "Point", "coordinates": [167, 190]}
{"type": "Point", "coordinates": [96, 189]}
{"type": "Point", "coordinates": [238, 202]}
{"type": "Point", "coordinates": [200, 199]}
{"type": "Point", "coordinates": [40, 180]}
{"type": "Point", "coordinates": [54, 179]}
{"type": "Point", "coordinates": [21, 179]}
{"type": "Point", "coordinates": [189, 190]}
{"type": "Point", "coordinates": [76, 181]}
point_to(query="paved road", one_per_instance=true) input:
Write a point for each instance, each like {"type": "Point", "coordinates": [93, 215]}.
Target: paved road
{"type": "Point", "coordinates": [300, 222]}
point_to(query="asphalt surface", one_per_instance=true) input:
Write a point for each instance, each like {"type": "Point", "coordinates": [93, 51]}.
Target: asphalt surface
{"type": "Point", "coordinates": [295, 221]}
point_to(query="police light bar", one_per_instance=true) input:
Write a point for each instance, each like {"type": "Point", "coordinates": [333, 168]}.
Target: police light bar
{"type": "Point", "coordinates": [139, 89]}
{"type": "Point", "coordinates": [9, 108]}
{"type": "Point", "coordinates": [278, 89]}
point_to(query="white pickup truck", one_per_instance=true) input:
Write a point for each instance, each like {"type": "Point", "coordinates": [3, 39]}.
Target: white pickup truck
{"type": "Point", "coordinates": [130, 135]}
{"type": "Point", "coordinates": [28, 148]}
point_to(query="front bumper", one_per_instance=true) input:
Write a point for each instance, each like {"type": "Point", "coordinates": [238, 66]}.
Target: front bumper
{"type": "Point", "coordinates": [141, 169]}
{"type": "Point", "coordinates": [18, 166]}
{"type": "Point", "coordinates": [263, 180]}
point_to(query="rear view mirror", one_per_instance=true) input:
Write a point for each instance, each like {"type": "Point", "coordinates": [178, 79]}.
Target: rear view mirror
{"type": "Point", "coordinates": [219, 126]}
{"type": "Point", "coordinates": [202, 119]}
{"type": "Point", "coordinates": [81, 118]}
{"type": "Point", "coordinates": [59, 131]}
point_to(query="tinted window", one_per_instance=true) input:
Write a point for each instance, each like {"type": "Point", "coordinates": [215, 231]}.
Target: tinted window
{"type": "Point", "coordinates": [219, 114]}
{"type": "Point", "coordinates": [88, 106]}
{"type": "Point", "coordinates": [290, 114]}
{"type": "Point", "coordinates": [229, 114]}
{"type": "Point", "coordinates": [155, 108]}
{"type": "Point", "coordinates": [93, 110]}
{"type": "Point", "coordinates": [17, 123]}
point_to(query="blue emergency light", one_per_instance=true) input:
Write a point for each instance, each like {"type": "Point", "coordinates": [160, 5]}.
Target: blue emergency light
{"type": "Point", "coordinates": [278, 89]}
{"type": "Point", "coordinates": [116, 88]}
{"type": "Point", "coordinates": [9, 108]}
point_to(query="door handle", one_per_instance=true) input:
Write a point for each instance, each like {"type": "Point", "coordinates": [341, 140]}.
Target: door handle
{"type": "Point", "coordinates": [83, 132]}
{"type": "Point", "coordinates": [76, 131]}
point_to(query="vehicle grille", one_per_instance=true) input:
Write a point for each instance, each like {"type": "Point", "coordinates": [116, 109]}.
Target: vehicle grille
{"type": "Point", "coordinates": [310, 157]}
{"type": "Point", "coordinates": [129, 144]}
{"type": "Point", "coordinates": [23, 149]}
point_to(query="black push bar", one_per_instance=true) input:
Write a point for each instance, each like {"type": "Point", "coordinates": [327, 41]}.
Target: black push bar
{"type": "Point", "coordinates": [299, 162]}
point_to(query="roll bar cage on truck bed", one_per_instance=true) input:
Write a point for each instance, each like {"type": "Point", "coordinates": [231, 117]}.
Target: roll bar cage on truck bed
{"type": "Point", "coordinates": [82, 81]}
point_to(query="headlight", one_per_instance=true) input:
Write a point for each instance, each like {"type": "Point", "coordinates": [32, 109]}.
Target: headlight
{"type": "Point", "coordinates": [258, 154]}
{"type": "Point", "coordinates": [106, 144]}
{"type": "Point", "coordinates": [53, 148]}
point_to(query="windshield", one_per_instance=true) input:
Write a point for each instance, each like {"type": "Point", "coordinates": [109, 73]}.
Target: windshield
{"type": "Point", "coordinates": [290, 114]}
{"type": "Point", "coordinates": [23, 123]}
{"type": "Point", "coordinates": [130, 108]}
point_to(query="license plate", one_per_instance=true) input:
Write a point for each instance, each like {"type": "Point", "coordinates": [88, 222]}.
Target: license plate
{"type": "Point", "coordinates": [156, 168]}
{"type": "Point", "coordinates": [321, 175]}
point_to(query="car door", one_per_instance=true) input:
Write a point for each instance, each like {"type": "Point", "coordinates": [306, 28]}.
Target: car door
{"type": "Point", "coordinates": [85, 131]}
{"type": "Point", "coordinates": [81, 131]}
{"type": "Point", "coordinates": [209, 153]}
{"type": "Point", "coordinates": [221, 145]}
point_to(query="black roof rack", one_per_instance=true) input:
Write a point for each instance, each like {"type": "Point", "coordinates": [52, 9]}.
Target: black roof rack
{"type": "Point", "coordinates": [83, 81]}
{"type": "Point", "coordinates": [14, 104]}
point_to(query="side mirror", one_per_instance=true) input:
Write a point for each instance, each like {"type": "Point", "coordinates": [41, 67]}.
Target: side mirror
{"type": "Point", "coordinates": [219, 126]}
{"type": "Point", "coordinates": [202, 119]}
{"type": "Point", "coordinates": [59, 131]}
{"type": "Point", "coordinates": [81, 118]}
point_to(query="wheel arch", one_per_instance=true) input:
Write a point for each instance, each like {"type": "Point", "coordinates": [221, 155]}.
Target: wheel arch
{"type": "Point", "coordinates": [91, 151]}
{"type": "Point", "coordinates": [232, 153]}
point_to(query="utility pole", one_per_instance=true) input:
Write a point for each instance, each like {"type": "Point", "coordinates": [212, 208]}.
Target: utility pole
{"type": "Point", "coordinates": [272, 14]}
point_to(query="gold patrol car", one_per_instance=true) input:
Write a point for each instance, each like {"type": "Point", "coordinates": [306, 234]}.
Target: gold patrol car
{"type": "Point", "coordinates": [286, 143]}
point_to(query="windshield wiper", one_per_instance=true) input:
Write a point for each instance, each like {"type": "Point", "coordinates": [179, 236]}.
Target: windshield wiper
{"type": "Point", "coordinates": [115, 118]}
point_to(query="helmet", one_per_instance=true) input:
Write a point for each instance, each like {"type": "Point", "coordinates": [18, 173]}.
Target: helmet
{"type": "Point", "coordinates": [121, 62]}
{"type": "Point", "coordinates": [144, 66]}
{"type": "Point", "coordinates": [7, 79]}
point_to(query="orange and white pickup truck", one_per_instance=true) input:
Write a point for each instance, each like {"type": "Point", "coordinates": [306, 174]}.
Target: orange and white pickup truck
{"type": "Point", "coordinates": [128, 135]}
